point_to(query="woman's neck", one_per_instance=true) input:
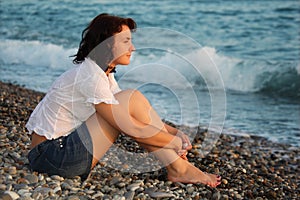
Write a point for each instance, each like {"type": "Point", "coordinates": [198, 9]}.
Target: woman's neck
{"type": "Point", "coordinates": [109, 69]}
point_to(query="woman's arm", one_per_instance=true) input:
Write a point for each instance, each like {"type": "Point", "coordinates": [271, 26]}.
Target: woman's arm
{"type": "Point", "coordinates": [120, 118]}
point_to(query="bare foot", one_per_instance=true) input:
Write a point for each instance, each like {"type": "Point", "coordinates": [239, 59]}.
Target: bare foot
{"type": "Point", "coordinates": [194, 175]}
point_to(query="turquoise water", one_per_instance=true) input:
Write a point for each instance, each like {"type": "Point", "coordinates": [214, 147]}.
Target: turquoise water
{"type": "Point", "coordinates": [255, 46]}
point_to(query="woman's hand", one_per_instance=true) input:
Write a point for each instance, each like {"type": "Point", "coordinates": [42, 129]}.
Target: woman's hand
{"type": "Point", "coordinates": [183, 153]}
{"type": "Point", "coordinates": [186, 143]}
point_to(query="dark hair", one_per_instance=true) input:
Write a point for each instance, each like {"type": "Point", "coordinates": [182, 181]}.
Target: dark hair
{"type": "Point", "coordinates": [100, 28]}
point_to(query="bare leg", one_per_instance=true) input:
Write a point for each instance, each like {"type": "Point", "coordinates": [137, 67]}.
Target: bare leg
{"type": "Point", "coordinates": [103, 136]}
{"type": "Point", "coordinates": [178, 169]}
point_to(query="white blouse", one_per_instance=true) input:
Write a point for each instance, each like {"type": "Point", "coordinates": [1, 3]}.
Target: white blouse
{"type": "Point", "coordinates": [71, 100]}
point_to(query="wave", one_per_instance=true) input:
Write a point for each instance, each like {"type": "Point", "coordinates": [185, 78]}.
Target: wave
{"type": "Point", "coordinates": [202, 68]}
{"type": "Point", "coordinates": [205, 67]}
{"type": "Point", "coordinates": [35, 53]}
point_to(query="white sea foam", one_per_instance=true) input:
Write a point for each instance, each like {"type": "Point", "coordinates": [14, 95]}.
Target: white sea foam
{"type": "Point", "coordinates": [35, 53]}
{"type": "Point", "coordinates": [298, 68]}
{"type": "Point", "coordinates": [203, 67]}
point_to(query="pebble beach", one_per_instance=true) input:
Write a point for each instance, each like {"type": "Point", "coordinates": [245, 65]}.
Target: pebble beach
{"type": "Point", "coordinates": [251, 167]}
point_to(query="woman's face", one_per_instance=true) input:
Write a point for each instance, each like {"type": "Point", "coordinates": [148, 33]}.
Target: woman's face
{"type": "Point", "coordinates": [123, 47]}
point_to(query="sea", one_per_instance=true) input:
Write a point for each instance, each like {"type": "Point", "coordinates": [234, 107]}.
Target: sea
{"type": "Point", "coordinates": [229, 66]}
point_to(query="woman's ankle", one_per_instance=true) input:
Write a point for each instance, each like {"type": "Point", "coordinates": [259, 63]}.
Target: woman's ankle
{"type": "Point", "coordinates": [177, 168]}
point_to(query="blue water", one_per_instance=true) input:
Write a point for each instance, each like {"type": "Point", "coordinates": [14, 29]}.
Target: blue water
{"type": "Point", "coordinates": [254, 45]}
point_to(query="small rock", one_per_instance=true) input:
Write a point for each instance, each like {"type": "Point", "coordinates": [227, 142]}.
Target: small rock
{"type": "Point", "coordinates": [57, 178]}
{"type": "Point", "coordinates": [225, 197]}
{"type": "Point", "coordinates": [133, 186]}
{"type": "Point", "coordinates": [57, 190]}
{"type": "Point", "coordinates": [12, 170]}
{"type": "Point", "coordinates": [2, 187]}
{"type": "Point", "coordinates": [216, 195]}
{"type": "Point", "coordinates": [115, 180]}
{"type": "Point", "coordinates": [73, 197]}
{"type": "Point", "coordinates": [118, 197]}
{"type": "Point", "coordinates": [129, 195]}
{"type": "Point", "coordinates": [10, 195]}
{"type": "Point", "coordinates": [224, 181]}
{"type": "Point", "coordinates": [32, 178]}
{"type": "Point", "coordinates": [20, 186]}
{"type": "Point", "coordinates": [98, 195]}
{"type": "Point", "coordinates": [43, 190]}
{"type": "Point", "coordinates": [120, 185]}
{"type": "Point", "coordinates": [15, 155]}
{"type": "Point", "coordinates": [160, 195]}
{"type": "Point", "coordinates": [22, 192]}
{"type": "Point", "coordinates": [26, 197]}
{"type": "Point", "coordinates": [259, 198]}
{"type": "Point", "coordinates": [65, 186]}
{"type": "Point", "coordinates": [238, 196]}
{"type": "Point", "coordinates": [190, 189]}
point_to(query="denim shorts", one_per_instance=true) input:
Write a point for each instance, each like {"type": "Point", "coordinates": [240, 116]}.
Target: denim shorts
{"type": "Point", "coordinates": [66, 156]}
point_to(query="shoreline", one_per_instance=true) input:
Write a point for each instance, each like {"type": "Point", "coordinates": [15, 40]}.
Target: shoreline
{"type": "Point", "coordinates": [252, 167]}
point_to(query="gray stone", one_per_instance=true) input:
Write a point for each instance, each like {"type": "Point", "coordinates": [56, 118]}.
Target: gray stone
{"type": "Point", "coordinates": [190, 189]}
{"type": "Point", "coordinates": [57, 190]}
{"type": "Point", "coordinates": [129, 195]}
{"type": "Point", "coordinates": [73, 197]}
{"type": "Point", "coordinates": [122, 184]}
{"type": "Point", "coordinates": [43, 190]}
{"type": "Point", "coordinates": [65, 186]}
{"type": "Point", "coordinates": [32, 178]}
{"type": "Point", "coordinates": [160, 195]}
{"type": "Point", "coordinates": [133, 186]}
{"type": "Point", "coordinates": [216, 195]}
{"type": "Point", "coordinates": [115, 180]}
{"type": "Point", "coordinates": [20, 186]}
{"type": "Point", "coordinates": [25, 198]}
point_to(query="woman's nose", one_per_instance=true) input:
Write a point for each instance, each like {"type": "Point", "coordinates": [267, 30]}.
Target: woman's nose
{"type": "Point", "coordinates": [132, 48]}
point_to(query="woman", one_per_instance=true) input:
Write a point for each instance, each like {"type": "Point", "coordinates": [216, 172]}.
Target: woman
{"type": "Point", "coordinates": [84, 111]}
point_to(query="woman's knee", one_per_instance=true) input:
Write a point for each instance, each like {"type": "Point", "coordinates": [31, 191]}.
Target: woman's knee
{"type": "Point", "coordinates": [132, 97]}
{"type": "Point", "coordinates": [136, 103]}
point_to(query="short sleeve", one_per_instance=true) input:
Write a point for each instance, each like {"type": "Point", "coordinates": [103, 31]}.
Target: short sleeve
{"type": "Point", "coordinates": [96, 89]}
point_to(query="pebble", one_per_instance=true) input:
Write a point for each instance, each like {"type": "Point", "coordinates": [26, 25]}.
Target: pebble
{"type": "Point", "coordinates": [10, 195]}
{"type": "Point", "coordinates": [43, 190]}
{"type": "Point", "coordinates": [32, 178]}
{"type": "Point", "coordinates": [190, 189]}
{"type": "Point", "coordinates": [224, 181]}
{"type": "Point", "coordinates": [2, 187]}
{"type": "Point", "coordinates": [160, 195]}
{"type": "Point", "coordinates": [12, 170]}
{"type": "Point", "coordinates": [216, 195]}
{"type": "Point", "coordinates": [133, 186]}
{"type": "Point", "coordinates": [129, 195]}
{"type": "Point", "coordinates": [115, 180]}
{"type": "Point", "coordinates": [250, 167]}
{"type": "Point", "coordinates": [98, 195]}
{"type": "Point", "coordinates": [238, 196]}
{"type": "Point", "coordinates": [57, 178]}
{"type": "Point", "coordinates": [73, 197]}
